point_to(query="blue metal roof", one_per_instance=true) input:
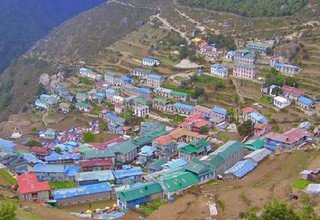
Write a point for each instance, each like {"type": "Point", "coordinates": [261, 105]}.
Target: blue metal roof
{"type": "Point", "coordinates": [219, 67]}
{"type": "Point", "coordinates": [6, 145]}
{"type": "Point", "coordinates": [173, 164]}
{"type": "Point", "coordinates": [147, 151]}
{"type": "Point", "coordinates": [31, 158]}
{"type": "Point", "coordinates": [111, 91]}
{"type": "Point", "coordinates": [183, 106]}
{"type": "Point", "coordinates": [68, 170]}
{"type": "Point", "coordinates": [220, 110]}
{"type": "Point", "coordinates": [154, 76]}
{"type": "Point", "coordinates": [241, 168]}
{"type": "Point", "coordinates": [112, 116]}
{"type": "Point", "coordinates": [148, 59]}
{"type": "Point", "coordinates": [304, 100]}
{"type": "Point", "coordinates": [127, 172]}
{"type": "Point", "coordinates": [81, 191]}
{"type": "Point", "coordinates": [100, 175]}
{"type": "Point", "coordinates": [258, 117]}
{"type": "Point", "coordinates": [145, 90]}
{"type": "Point", "coordinates": [54, 156]}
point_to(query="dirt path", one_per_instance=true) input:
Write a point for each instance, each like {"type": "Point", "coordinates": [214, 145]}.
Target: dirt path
{"type": "Point", "coordinates": [168, 26]}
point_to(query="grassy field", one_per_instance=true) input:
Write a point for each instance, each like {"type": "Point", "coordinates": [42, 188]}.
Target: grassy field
{"type": "Point", "coordinates": [150, 207]}
{"type": "Point", "coordinates": [300, 183]}
{"type": "Point", "coordinates": [62, 185]}
{"type": "Point", "coordinates": [7, 178]}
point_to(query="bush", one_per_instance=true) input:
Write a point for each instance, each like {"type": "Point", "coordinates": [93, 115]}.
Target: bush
{"type": "Point", "coordinates": [7, 210]}
{"type": "Point", "coordinates": [89, 137]}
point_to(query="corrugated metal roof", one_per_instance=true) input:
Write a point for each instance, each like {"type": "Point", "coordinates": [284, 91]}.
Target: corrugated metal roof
{"type": "Point", "coordinates": [258, 155]}
{"type": "Point", "coordinates": [101, 175]}
{"type": "Point", "coordinates": [124, 173]}
{"type": "Point", "coordinates": [178, 181]}
{"type": "Point", "coordinates": [81, 191]}
{"type": "Point", "coordinates": [139, 190]}
{"type": "Point", "coordinates": [241, 168]}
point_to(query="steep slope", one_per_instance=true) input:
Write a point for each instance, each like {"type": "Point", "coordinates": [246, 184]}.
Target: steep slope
{"type": "Point", "coordinates": [25, 22]}
{"type": "Point", "coordinates": [250, 8]}
{"type": "Point", "coordinates": [84, 37]}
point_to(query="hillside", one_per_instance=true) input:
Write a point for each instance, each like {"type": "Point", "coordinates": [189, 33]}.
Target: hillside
{"type": "Point", "coordinates": [25, 22]}
{"type": "Point", "coordinates": [82, 38]}
{"type": "Point", "coordinates": [250, 8]}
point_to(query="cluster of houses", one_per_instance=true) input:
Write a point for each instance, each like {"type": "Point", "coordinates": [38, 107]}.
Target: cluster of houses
{"type": "Point", "coordinates": [288, 95]}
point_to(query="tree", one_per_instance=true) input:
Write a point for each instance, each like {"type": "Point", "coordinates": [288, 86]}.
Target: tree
{"type": "Point", "coordinates": [277, 91]}
{"type": "Point", "coordinates": [273, 210]}
{"type": "Point", "coordinates": [246, 128]}
{"type": "Point", "coordinates": [58, 150]}
{"type": "Point", "coordinates": [89, 137]}
{"type": "Point", "coordinates": [184, 52]}
{"type": "Point", "coordinates": [279, 210]}
{"type": "Point", "coordinates": [204, 130]}
{"type": "Point", "coordinates": [7, 210]}
{"type": "Point", "coordinates": [32, 143]}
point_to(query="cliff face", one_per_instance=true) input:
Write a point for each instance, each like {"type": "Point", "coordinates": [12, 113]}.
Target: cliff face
{"type": "Point", "coordinates": [82, 38]}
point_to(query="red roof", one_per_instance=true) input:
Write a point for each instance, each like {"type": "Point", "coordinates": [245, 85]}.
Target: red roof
{"type": "Point", "coordinates": [28, 183]}
{"type": "Point", "coordinates": [289, 137]}
{"type": "Point", "coordinates": [98, 146]}
{"type": "Point", "coordinates": [163, 139]}
{"type": "Point", "coordinates": [193, 117]}
{"type": "Point", "coordinates": [35, 149]}
{"type": "Point", "coordinates": [291, 90]}
{"type": "Point", "coordinates": [202, 109]}
{"type": "Point", "coordinates": [115, 140]}
{"type": "Point", "coordinates": [95, 163]}
{"type": "Point", "coordinates": [201, 123]}
{"type": "Point", "coordinates": [40, 150]}
{"type": "Point", "coordinates": [247, 110]}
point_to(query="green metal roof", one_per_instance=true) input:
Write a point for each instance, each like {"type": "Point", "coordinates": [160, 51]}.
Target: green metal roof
{"type": "Point", "coordinates": [161, 100]}
{"type": "Point", "coordinates": [122, 148]}
{"type": "Point", "coordinates": [142, 141]}
{"type": "Point", "coordinates": [255, 144]}
{"type": "Point", "coordinates": [139, 191]}
{"type": "Point", "coordinates": [180, 94]}
{"type": "Point", "coordinates": [84, 149]}
{"type": "Point", "coordinates": [199, 168]}
{"type": "Point", "coordinates": [195, 147]}
{"type": "Point", "coordinates": [156, 165]}
{"type": "Point", "coordinates": [229, 149]}
{"type": "Point", "coordinates": [178, 180]}
{"type": "Point", "coordinates": [215, 160]}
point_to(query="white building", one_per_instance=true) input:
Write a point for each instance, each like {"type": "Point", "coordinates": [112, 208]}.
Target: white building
{"type": "Point", "coordinates": [141, 110]}
{"type": "Point", "coordinates": [89, 74]}
{"type": "Point", "coordinates": [281, 102]}
{"type": "Point", "coordinates": [154, 81]}
{"type": "Point", "coordinates": [150, 62]}
{"type": "Point", "coordinates": [219, 70]}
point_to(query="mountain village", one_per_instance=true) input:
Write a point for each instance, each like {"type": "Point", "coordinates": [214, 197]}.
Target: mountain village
{"type": "Point", "coordinates": [164, 139]}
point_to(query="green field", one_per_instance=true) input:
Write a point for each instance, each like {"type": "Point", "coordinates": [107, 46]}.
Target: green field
{"type": "Point", "coordinates": [7, 177]}
{"type": "Point", "coordinates": [62, 185]}
{"type": "Point", "coordinates": [300, 183]}
{"type": "Point", "coordinates": [150, 207]}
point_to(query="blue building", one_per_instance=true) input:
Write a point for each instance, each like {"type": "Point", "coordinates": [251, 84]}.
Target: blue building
{"type": "Point", "coordinates": [65, 158]}
{"type": "Point", "coordinates": [305, 102]}
{"type": "Point", "coordinates": [218, 115]}
{"type": "Point", "coordinates": [82, 194]}
{"type": "Point", "coordinates": [240, 169]}
{"type": "Point", "coordinates": [219, 70]}
{"type": "Point", "coordinates": [174, 164]}
{"type": "Point", "coordinates": [256, 118]}
{"type": "Point", "coordinates": [55, 172]}
{"type": "Point", "coordinates": [146, 154]}
{"type": "Point", "coordinates": [128, 174]}
{"type": "Point", "coordinates": [181, 108]}
{"type": "Point", "coordinates": [6, 145]}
